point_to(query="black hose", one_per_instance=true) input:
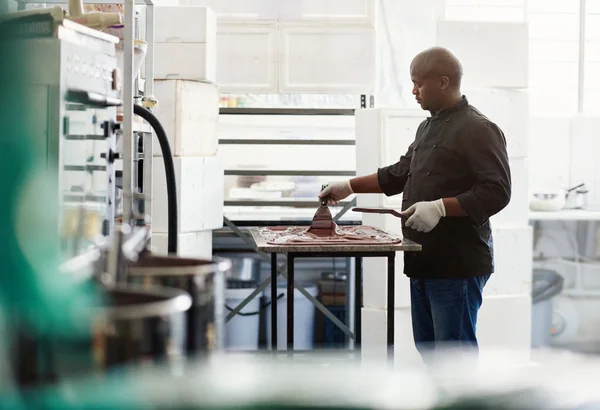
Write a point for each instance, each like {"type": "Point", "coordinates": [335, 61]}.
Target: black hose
{"type": "Point", "coordinates": [169, 172]}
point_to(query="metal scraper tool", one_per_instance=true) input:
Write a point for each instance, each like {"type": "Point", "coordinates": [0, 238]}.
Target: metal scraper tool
{"type": "Point", "coordinates": [322, 223]}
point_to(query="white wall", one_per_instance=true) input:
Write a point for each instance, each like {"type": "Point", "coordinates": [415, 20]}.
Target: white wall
{"type": "Point", "coordinates": [404, 28]}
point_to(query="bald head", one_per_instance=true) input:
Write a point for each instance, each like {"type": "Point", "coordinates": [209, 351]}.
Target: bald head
{"type": "Point", "coordinates": [438, 62]}
{"type": "Point", "coordinates": [436, 74]}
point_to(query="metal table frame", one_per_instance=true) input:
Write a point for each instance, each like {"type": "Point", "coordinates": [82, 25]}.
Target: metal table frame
{"type": "Point", "coordinates": [281, 269]}
{"type": "Point", "coordinates": [358, 293]}
{"type": "Point", "coordinates": [356, 251]}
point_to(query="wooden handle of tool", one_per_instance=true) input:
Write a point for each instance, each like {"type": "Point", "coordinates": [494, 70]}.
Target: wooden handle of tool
{"type": "Point", "coordinates": [378, 211]}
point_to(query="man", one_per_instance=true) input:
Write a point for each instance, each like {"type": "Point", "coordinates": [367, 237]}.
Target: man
{"type": "Point", "coordinates": [454, 177]}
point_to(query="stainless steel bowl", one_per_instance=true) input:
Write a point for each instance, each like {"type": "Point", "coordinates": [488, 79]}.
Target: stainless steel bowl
{"type": "Point", "coordinates": [131, 326]}
{"type": "Point", "coordinates": [204, 281]}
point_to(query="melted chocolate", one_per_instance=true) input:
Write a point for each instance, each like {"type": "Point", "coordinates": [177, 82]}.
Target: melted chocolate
{"type": "Point", "coordinates": [349, 235]}
{"type": "Point", "coordinates": [322, 224]}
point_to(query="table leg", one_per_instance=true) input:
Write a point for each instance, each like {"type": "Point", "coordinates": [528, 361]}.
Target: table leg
{"type": "Point", "coordinates": [391, 289]}
{"type": "Point", "coordinates": [358, 294]}
{"type": "Point", "coordinates": [290, 303]}
{"type": "Point", "coordinates": [274, 303]}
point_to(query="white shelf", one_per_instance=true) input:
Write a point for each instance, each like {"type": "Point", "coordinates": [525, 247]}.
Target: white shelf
{"type": "Point", "coordinates": [138, 2]}
{"type": "Point", "coordinates": [566, 215]}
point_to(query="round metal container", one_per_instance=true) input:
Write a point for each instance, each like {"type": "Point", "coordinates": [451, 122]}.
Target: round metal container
{"type": "Point", "coordinates": [132, 326]}
{"type": "Point", "coordinates": [204, 281]}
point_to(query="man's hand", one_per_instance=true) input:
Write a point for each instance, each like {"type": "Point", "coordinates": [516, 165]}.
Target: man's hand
{"type": "Point", "coordinates": [336, 191]}
{"type": "Point", "coordinates": [424, 216]}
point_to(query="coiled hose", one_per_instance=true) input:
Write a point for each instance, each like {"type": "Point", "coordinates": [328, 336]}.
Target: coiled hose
{"type": "Point", "coordinates": [169, 172]}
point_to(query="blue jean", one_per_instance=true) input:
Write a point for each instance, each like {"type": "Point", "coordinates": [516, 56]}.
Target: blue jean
{"type": "Point", "coordinates": [444, 312]}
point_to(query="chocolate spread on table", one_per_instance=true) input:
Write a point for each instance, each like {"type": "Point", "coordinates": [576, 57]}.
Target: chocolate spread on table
{"type": "Point", "coordinates": [349, 235]}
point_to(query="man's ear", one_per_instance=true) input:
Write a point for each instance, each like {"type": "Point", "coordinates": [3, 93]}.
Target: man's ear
{"type": "Point", "coordinates": [444, 82]}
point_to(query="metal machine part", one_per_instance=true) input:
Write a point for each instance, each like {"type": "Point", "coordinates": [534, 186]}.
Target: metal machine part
{"type": "Point", "coordinates": [130, 326]}
{"type": "Point", "coordinates": [204, 281]}
{"type": "Point", "coordinates": [72, 71]}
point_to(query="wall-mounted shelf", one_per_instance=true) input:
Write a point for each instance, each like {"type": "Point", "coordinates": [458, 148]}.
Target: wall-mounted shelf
{"type": "Point", "coordinates": [287, 204]}
{"type": "Point", "coordinates": [566, 215]}
{"type": "Point", "coordinates": [292, 203]}
{"type": "Point", "coordinates": [137, 2]}
{"type": "Point", "coordinates": [278, 202]}
{"type": "Point", "coordinates": [286, 173]}
{"type": "Point", "coordinates": [285, 111]}
{"type": "Point", "coordinates": [231, 141]}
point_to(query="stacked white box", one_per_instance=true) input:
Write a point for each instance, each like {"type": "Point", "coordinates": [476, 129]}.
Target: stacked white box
{"type": "Point", "coordinates": [374, 336]}
{"type": "Point", "coordinates": [493, 54]}
{"type": "Point", "coordinates": [189, 245]}
{"type": "Point", "coordinates": [513, 261]}
{"type": "Point", "coordinates": [504, 322]}
{"type": "Point", "coordinates": [509, 109]}
{"type": "Point", "coordinates": [199, 194]}
{"type": "Point", "coordinates": [495, 62]}
{"type": "Point", "coordinates": [382, 136]}
{"type": "Point", "coordinates": [516, 213]}
{"type": "Point", "coordinates": [189, 113]}
{"type": "Point", "coordinates": [185, 45]}
{"type": "Point", "coordinates": [188, 108]}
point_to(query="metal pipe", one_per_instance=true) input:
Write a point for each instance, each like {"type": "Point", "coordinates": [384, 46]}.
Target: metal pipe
{"type": "Point", "coordinates": [290, 302]}
{"type": "Point", "coordinates": [149, 60]}
{"type": "Point", "coordinates": [581, 62]}
{"type": "Point", "coordinates": [391, 305]}
{"type": "Point", "coordinates": [135, 243]}
{"type": "Point", "coordinates": [128, 94]}
{"type": "Point", "coordinates": [75, 8]}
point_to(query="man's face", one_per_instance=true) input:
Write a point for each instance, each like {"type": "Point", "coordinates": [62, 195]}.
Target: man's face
{"type": "Point", "coordinates": [427, 90]}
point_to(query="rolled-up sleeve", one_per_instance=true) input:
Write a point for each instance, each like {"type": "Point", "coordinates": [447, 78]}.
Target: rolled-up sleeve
{"type": "Point", "coordinates": [486, 156]}
{"type": "Point", "coordinates": [393, 177]}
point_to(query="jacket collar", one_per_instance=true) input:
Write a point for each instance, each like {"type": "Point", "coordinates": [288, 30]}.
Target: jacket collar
{"type": "Point", "coordinates": [447, 111]}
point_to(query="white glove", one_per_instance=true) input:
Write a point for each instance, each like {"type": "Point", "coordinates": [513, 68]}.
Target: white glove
{"type": "Point", "coordinates": [424, 216]}
{"type": "Point", "coordinates": [336, 191]}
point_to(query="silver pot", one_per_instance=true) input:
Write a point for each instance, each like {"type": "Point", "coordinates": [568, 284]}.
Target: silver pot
{"type": "Point", "coordinates": [132, 326]}
{"type": "Point", "coordinates": [204, 281]}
